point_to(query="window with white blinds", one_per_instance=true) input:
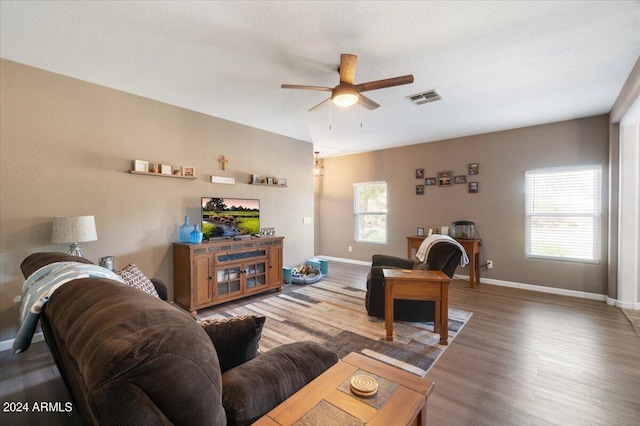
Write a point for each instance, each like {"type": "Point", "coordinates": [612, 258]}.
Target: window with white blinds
{"type": "Point", "coordinates": [563, 213]}
{"type": "Point", "coordinates": [370, 212]}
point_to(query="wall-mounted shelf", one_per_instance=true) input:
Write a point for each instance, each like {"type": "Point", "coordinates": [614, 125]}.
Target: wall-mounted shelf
{"type": "Point", "coordinates": [268, 181]}
{"type": "Point", "coordinates": [133, 172]}
{"type": "Point", "coordinates": [268, 184]}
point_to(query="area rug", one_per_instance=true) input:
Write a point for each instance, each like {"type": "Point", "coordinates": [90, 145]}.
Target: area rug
{"type": "Point", "coordinates": [335, 317]}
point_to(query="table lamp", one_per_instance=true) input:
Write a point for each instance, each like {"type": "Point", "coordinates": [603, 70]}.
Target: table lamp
{"type": "Point", "coordinates": [74, 230]}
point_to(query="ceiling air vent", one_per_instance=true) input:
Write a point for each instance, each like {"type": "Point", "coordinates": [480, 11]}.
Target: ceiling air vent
{"type": "Point", "coordinates": [425, 98]}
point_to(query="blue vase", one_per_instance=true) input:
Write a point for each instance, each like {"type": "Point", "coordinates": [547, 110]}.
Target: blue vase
{"type": "Point", "coordinates": [185, 231]}
{"type": "Point", "coordinates": [196, 235]}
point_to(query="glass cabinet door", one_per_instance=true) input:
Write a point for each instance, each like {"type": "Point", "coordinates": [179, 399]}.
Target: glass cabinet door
{"type": "Point", "coordinates": [228, 280]}
{"type": "Point", "coordinates": [255, 275]}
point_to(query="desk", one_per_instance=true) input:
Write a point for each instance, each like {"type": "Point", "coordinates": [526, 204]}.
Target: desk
{"type": "Point", "coordinates": [414, 284]}
{"type": "Point", "coordinates": [471, 247]}
{"type": "Point", "coordinates": [401, 398]}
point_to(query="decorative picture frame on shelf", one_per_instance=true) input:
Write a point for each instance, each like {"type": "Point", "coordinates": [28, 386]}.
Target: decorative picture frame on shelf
{"type": "Point", "coordinates": [459, 179]}
{"type": "Point", "coordinates": [282, 182]}
{"type": "Point", "coordinates": [419, 173]}
{"type": "Point", "coordinates": [431, 181]}
{"type": "Point", "coordinates": [188, 171]}
{"type": "Point", "coordinates": [473, 169]}
{"type": "Point", "coordinates": [444, 178]}
{"type": "Point", "coordinates": [419, 189]}
{"type": "Point", "coordinates": [140, 166]}
{"type": "Point", "coordinates": [255, 179]}
{"type": "Point", "coordinates": [473, 187]}
{"type": "Point", "coordinates": [420, 232]}
{"type": "Point", "coordinates": [165, 169]}
{"type": "Point", "coordinates": [269, 181]}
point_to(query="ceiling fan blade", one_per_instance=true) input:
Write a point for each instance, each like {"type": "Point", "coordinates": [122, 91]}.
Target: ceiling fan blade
{"type": "Point", "coordinates": [348, 67]}
{"type": "Point", "coordinates": [297, 86]}
{"type": "Point", "coordinates": [320, 105]}
{"type": "Point", "coordinates": [368, 103]}
{"type": "Point", "coordinates": [381, 84]}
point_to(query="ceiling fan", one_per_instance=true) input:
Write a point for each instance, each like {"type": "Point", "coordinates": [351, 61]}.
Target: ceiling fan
{"type": "Point", "coordinates": [347, 93]}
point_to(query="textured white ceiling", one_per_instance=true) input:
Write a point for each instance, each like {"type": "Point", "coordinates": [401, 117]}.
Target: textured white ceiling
{"type": "Point", "coordinates": [498, 65]}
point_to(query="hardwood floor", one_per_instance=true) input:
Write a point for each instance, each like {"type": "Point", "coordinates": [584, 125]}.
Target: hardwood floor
{"type": "Point", "coordinates": [524, 358]}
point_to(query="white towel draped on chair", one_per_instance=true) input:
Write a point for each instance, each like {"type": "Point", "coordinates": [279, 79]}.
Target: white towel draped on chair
{"type": "Point", "coordinates": [423, 251]}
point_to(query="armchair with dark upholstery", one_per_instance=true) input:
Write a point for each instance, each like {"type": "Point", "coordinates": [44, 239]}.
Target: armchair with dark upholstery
{"type": "Point", "coordinates": [443, 257]}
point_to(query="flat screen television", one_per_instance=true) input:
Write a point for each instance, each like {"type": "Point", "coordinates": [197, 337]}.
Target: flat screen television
{"type": "Point", "coordinates": [230, 217]}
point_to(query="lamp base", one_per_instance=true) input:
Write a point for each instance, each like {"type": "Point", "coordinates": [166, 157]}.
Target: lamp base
{"type": "Point", "coordinates": [74, 250]}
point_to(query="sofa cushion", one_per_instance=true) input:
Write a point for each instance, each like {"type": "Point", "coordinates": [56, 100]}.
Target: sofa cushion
{"type": "Point", "coordinates": [236, 339]}
{"type": "Point", "coordinates": [133, 277]}
{"type": "Point", "coordinates": [251, 390]}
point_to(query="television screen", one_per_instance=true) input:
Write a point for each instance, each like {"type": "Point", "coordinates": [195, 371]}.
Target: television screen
{"type": "Point", "coordinates": [230, 217]}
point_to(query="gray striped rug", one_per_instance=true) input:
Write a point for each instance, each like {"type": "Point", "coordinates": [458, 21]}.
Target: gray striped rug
{"type": "Point", "coordinates": [335, 317]}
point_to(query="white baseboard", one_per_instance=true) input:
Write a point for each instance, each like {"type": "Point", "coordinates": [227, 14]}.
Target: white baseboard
{"type": "Point", "coordinates": [344, 260]}
{"type": "Point", "coordinates": [543, 289]}
{"type": "Point", "coordinates": [523, 286]}
{"type": "Point", "coordinates": [6, 345]}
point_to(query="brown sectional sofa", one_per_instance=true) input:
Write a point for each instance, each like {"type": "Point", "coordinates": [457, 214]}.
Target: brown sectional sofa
{"type": "Point", "coordinates": [129, 358]}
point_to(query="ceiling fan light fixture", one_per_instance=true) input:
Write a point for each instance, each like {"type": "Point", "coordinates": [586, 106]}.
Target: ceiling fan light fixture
{"type": "Point", "coordinates": [345, 96]}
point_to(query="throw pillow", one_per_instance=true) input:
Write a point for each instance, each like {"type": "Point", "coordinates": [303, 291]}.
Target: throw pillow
{"type": "Point", "coordinates": [236, 339]}
{"type": "Point", "coordinates": [132, 276]}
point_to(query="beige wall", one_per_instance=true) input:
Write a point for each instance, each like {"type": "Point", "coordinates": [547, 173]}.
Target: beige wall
{"type": "Point", "coordinates": [66, 146]}
{"type": "Point", "coordinates": [497, 210]}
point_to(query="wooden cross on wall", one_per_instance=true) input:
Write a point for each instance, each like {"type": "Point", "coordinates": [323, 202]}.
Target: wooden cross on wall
{"type": "Point", "coordinates": [223, 161]}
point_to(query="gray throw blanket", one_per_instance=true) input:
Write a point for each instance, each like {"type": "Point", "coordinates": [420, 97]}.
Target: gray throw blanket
{"type": "Point", "coordinates": [40, 285]}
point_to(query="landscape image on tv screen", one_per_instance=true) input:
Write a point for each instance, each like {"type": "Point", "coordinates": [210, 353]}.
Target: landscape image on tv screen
{"type": "Point", "coordinates": [230, 217]}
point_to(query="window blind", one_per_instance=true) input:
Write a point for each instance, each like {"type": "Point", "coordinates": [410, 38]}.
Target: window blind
{"type": "Point", "coordinates": [563, 213]}
{"type": "Point", "coordinates": [370, 212]}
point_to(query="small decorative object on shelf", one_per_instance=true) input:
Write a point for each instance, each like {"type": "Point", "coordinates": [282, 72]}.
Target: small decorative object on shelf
{"type": "Point", "coordinates": [267, 231]}
{"type": "Point", "coordinates": [141, 166]}
{"type": "Point", "coordinates": [196, 235]}
{"type": "Point", "coordinates": [185, 231]}
{"type": "Point", "coordinates": [267, 181]}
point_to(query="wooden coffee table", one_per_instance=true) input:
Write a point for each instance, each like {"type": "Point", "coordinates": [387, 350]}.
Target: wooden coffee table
{"type": "Point", "coordinates": [412, 284]}
{"type": "Point", "coordinates": [401, 398]}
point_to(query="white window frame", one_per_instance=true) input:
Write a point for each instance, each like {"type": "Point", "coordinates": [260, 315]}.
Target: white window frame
{"type": "Point", "coordinates": [546, 195]}
{"type": "Point", "coordinates": [359, 216]}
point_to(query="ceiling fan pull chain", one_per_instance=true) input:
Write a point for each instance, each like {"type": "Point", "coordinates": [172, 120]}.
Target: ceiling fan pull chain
{"type": "Point", "coordinates": [360, 111]}
{"type": "Point", "coordinates": [330, 109]}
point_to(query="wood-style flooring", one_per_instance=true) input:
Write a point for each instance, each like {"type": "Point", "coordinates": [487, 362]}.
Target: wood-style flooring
{"type": "Point", "coordinates": [524, 358]}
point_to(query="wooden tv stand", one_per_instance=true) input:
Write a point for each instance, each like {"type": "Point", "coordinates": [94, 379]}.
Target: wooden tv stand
{"type": "Point", "coordinates": [219, 271]}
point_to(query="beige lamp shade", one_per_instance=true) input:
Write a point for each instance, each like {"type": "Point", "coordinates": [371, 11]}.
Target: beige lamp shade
{"type": "Point", "coordinates": [74, 230]}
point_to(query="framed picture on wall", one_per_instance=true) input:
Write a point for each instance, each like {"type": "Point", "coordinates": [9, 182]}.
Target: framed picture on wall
{"type": "Point", "coordinates": [419, 173]}
{"type": "Point", "coordinates": [444, 179]}
{"type": "Point", "coordinates": [473, 168]}
{"type": "Point", "coordinates": [473, 187]}
{"type": "Point", "coordinates": [460, 179]}
{"type": "Point", "coordinates": [430, 181]}
{"type": "Point", "coordinates": [419, 189]}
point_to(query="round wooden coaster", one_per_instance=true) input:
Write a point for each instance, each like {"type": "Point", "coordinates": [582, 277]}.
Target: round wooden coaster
{"type": "Point", "coordinates": [362, 385]}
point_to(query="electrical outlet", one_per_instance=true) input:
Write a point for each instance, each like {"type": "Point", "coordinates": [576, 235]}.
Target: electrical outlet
{"type": "Point", "coordinates": [350, 249]}
{"type": "Point", "coordinates": [489, 264]}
